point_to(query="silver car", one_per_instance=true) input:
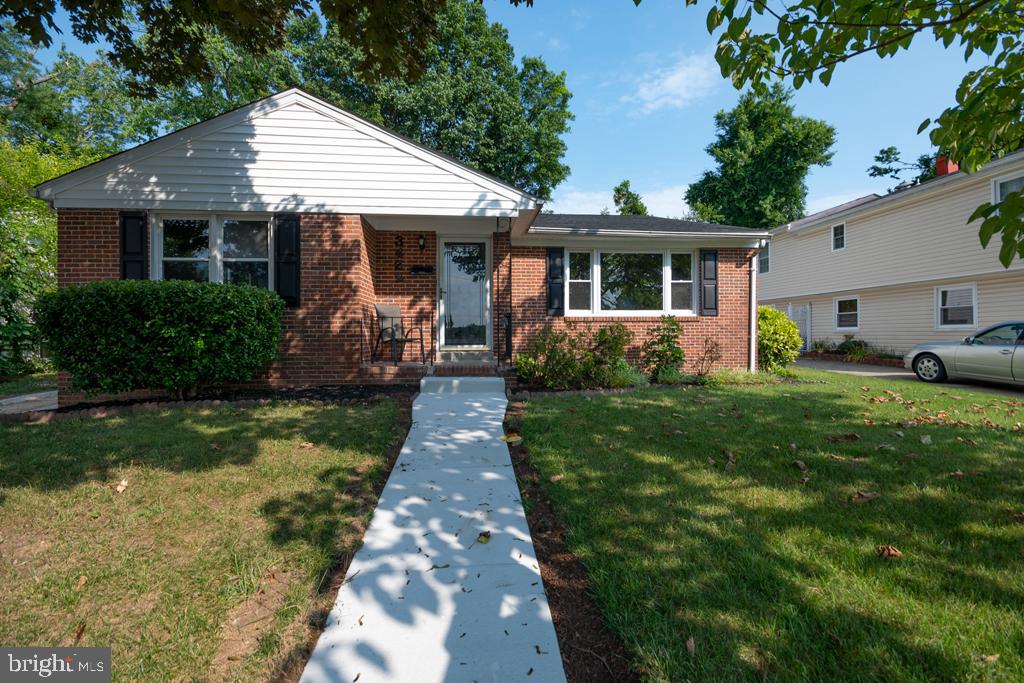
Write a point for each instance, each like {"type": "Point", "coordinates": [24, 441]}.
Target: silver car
{"type": "Point", "coordinates": [995, 354]}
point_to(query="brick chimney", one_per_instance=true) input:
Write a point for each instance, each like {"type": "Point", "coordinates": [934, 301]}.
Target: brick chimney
{"type": "Point", "coordinates": [943, 166]}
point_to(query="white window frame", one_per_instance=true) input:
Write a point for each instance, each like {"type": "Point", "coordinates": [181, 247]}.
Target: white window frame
{"type": "Point", "coordinates": [974, 306]}
{"type": "Point", "coordinates": [835, 313]}
{"type": "Point", "coordinates": [666, 284]}
{"type": "Point", "coordinates": [996, 182]}
{"type": "Point", "coordinates": [216, 233]}
{"type": "Point", "coordinates": [832, 236]}
{"type": "Point", "coordinates": [764, 251]}
{"type": "Point", "coordinates": [568, 281]}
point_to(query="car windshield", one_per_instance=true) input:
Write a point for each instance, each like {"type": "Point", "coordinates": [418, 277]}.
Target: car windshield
{"type": "Point", "coordinates": [1000, 336]}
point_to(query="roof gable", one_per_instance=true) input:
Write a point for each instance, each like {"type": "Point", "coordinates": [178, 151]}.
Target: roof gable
{"type": "Point", "coordinates": [293, 152]}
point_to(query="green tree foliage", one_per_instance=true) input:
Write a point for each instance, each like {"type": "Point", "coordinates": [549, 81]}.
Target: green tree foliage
{"type": "Point", "coordinates": [627, 202]}
{"type": "Point", "coordinates": [395, 36]}
{"type": "Point", "coordinates": [778, 339]}
{"type": "Point", "coordinates": [890, 164]}
{"type": "Point", "coordinates": [764, 152]}
{"type": "Point", "coordinates": [808, 39]}
{"type": "Point", "coordinates": [28, 248]}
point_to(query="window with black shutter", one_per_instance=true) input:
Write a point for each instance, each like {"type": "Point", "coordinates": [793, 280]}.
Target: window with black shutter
{"type": "Point", "coordinates": [133, 246]}
{"type": "Point", "coordinates": [286, 258]}
{"type": "Point", "coordinates": [708, 282]}
{"type": "Point", "coordinates": [556, 281]}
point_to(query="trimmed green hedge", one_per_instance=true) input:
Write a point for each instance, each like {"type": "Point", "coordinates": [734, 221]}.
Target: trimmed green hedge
{"type": "Point", "coordinates": [121, 335]}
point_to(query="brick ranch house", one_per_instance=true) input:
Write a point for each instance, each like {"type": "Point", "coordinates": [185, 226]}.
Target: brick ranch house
{"type": "Point", "coordinates": [337, 214]}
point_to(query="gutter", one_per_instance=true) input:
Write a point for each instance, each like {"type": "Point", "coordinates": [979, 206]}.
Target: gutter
{"type": "Point", "coordinates": [749, 234]}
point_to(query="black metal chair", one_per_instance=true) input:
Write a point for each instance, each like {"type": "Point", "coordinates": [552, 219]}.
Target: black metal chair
{"type": "Point", "coordinates": [391, 330]}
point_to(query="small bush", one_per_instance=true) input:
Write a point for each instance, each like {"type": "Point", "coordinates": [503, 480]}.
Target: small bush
{"type": "Point", "coordinates": [674, 376]}
{"type": "Point", "coordinates": [823, 346]}
{"type": "Point", "coordinates": [711, 354]}
{"type": "Point", "coordinates": [121, 335]}
{"type": "Point", "coordinates": [625, 375]}
{"type": "Point", "coordinates": [662, 351]}
{"type": "Point", "coordinates": [574, 358]}
{"type": "Point", "coordinates": [778, 339]}
{"type": "Point", "coordinates": [851, 345]}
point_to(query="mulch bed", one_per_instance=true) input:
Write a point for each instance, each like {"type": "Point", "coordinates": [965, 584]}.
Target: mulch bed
{"type": "Point", "coordinates": [868, 360]}
{"type": "Point", "coordinates": [591, 652]}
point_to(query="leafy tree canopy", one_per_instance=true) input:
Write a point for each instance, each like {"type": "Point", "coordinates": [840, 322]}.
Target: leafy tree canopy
{"type": "Point", "coordinates": [810, 39]}
{"type": "Point", "coordinates": [889, 164]}
{"type": "Point", "coordinates": [627, 202]}
{"type": "Point", "coordinates": [764, 152]}
{"type": "Point", "coordinates": [471, 101]}
{"type": "Point", "coordinates": [395, 36]}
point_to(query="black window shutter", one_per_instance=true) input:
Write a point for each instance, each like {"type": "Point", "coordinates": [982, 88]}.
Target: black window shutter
{"type": "Point", "coordinates": [556, 281]}
{"type": "Point", "coordinates": [133, 246]}
{"type": "Point", "coordinates": [286, 258]}
{"type": "Point", "coordinates": [709, 282]}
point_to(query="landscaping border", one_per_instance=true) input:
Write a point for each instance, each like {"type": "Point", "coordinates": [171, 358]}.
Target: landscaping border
{"type": "Point", "coordinates": [868, 360]}
{"type": "Point", "coordinates": [591, 651]}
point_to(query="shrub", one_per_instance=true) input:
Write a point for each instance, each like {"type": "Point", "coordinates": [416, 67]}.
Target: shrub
{"type": "Point", "coordinates": [711, 354]}
{"type": "Point", "coordinates": [574, 358]}
{"type": "Point", "coordinates": [823, 346]}
{"type": "Point", "coordinates": [778, 339]}
{"type": "Point", "coordinates": [851, 345]}
{"type": "Point", "coordinates": [121, 335]}
{"type": "Point", "coordinates": [674, 376]}
{"type": "Point", "coordinates": [661, 351]}
{"type": "Point", "coordinates": [626, 375]}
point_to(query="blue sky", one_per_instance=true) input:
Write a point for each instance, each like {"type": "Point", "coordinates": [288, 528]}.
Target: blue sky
{"type": "Point", "coordinates": [646, 88]}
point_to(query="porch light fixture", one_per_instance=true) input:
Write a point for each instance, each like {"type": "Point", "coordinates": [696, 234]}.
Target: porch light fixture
{"type": "Point", "coordinates": [422, 242]}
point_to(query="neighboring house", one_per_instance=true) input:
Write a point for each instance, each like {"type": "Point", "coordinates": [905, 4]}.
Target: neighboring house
{"type": "Point", "coordinates": [898, 269]}
{"type": "Point", "coordinates": [337, 214]}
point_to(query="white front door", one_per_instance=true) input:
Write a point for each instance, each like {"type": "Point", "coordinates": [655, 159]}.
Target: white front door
{"type": "Point", "coordinates": [801, 315]}
{"type": "Point", "coordinates": [464, 286]}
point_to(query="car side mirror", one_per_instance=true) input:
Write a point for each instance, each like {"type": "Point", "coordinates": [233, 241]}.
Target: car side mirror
{"type": "Point", "coordinates": [968, 340]}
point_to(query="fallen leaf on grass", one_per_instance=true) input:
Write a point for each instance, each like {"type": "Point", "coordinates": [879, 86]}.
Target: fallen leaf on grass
{"type": "Point", "coordinates": [864, 496]}
{"type": "Point", "coordinates": [800, 465]}
{"type": "Point", "coordinates": [122, 486]}
{"type": "Point", "coordinates": [834, 438]}
{"type": "Point", "coordinates": [885, 447]}
{"type": "Point", "coordinates": [987, 659]}
{"type": "Point", "coordinates": [889, 552]}
{"type": "Point", "coordinates": [691, 646]}
{"type": "Point", "coordinates": [79, 631]}
{"type": "Point", "coordinates": [511, 438]}
{"type": "Point", "coordinates": [869, 423]}
{"type": "Point", "coordinates": [555, 478]}
{"type": "Point", "coordinates": [969, 442]}
{"type": "Point", "coordinates": [958, 474]}
{"type": "Point", "coordinates": [81, 582]}
{"type": "Point", "coordinates": [306, 445]}
{"type": "Point", "coordinates": [1019, 516]}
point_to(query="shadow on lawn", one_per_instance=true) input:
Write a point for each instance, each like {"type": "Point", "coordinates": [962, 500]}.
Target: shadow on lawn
{"type": "Point", "coordinates": [741, 558]}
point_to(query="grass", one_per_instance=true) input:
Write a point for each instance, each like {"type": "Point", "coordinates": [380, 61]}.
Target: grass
{"type": "Point", "coordinates": [27, 384]}
{"type": "Point", "coordinates": [208, 564]}
{"type": "Point", "coordinates": [725, 515]}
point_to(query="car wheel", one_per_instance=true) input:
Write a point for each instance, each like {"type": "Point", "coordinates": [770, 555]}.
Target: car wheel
{"type": "Point", "coordinates": [929, 368]}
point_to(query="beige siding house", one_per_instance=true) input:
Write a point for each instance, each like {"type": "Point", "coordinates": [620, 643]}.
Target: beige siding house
{"type": "Point", "coordinates": [898, 269]}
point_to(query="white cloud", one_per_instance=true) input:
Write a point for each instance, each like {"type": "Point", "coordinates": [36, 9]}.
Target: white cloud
{"type": "Point", "coordinates": [665, 201]}
{"type": "Point", "coordinates": [688, 79]}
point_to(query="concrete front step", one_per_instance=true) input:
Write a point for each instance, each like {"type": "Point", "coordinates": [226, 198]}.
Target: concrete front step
{"type": "Point", "coordinates": [462, 385]}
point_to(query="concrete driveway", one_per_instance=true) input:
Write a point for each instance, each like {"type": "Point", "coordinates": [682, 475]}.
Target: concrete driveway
{"type": "Point", "coordinates": [24, 403]}
{"type": "Point", "coordinates": [903, 375]}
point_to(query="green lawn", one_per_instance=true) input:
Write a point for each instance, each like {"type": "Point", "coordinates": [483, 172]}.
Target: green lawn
{"type": "Point", "coordinates": [728, 515]}
{"type": "Point", "coordinates": [27, 384]}
{"type": "Point", "coordinates": [210, 561]}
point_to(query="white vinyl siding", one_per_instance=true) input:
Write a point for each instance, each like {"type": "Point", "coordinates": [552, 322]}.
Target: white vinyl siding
{"type": "Point", "coordinates": [955, 306]}
{"type": "Point", "coordinates": [926, 239]}
{"type": "Point", "coordinates": [847, 314]}
{"type": "Point", "coordinates": [291, 154]}
{"type": "Point", "coordinates": [897, 318]}
{"type": "Point", "coordinates": [668, 276]}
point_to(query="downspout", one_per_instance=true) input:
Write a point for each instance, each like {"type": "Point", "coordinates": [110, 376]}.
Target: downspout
{"type": "Point", "coordinates": [753, 312]}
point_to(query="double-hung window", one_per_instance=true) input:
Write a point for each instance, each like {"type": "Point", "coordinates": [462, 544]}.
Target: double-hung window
{"type": "Point", "coordinates": [847, 313]}
{"type": "Point", "coordinates": [954, 307]}
{"type": "Point", "coordinates": [606, 282]}
{"type": "Point", "coordinates": [839, 237]}
{"type": "Point", "coordinates": [764, 259]}
{"type": "Point", "coordinates": [1005, 187]}
{"type": "Point", "coordinates": [213, 248]}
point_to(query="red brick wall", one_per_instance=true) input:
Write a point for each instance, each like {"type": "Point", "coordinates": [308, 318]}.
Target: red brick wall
{"type": "Point", "coordinates": [88, 245]}
{"type": "Point", "coordinates": [731, 327]}
{"type": "Point", "coordinates": [397, 254]}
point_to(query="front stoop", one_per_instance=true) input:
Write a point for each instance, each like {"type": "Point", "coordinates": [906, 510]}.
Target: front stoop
{"type": "Point", "coordinates": [446, 586]}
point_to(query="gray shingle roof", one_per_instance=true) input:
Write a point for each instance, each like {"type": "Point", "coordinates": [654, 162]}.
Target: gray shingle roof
{"type": "Point", "coordinates": [596, 224]}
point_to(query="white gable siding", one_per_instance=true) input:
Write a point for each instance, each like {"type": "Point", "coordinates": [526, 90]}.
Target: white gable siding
{"type": "Point", "coordinates": [291, 156]}
{"type": "Point", "coordinates": [921, 240]}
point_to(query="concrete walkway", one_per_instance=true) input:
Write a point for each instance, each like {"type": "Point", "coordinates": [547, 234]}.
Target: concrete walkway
{"type": "Point", "coordinates": [884, 372]}
{"type": "Point", "coordinates": [24, 403]}
{"type": "Point", "coordinates": [429, 596]}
